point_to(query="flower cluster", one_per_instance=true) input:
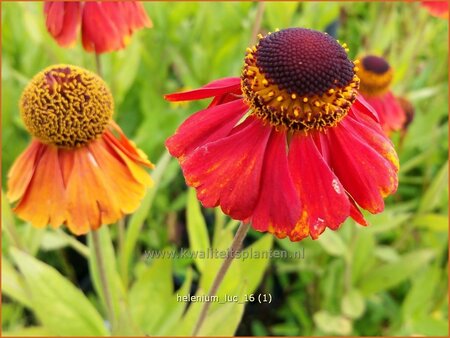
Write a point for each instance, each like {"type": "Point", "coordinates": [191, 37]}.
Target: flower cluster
{"type": "Point", "coordinates": [293, 146]}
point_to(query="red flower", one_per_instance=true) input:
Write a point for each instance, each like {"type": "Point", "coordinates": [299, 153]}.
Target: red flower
{"type": "Point", "coordinates": [105, 26]}
{"type": "Point", "coordinates": [375, 75]}
{"type": "Point", "coordinates": [436, 8]}
{"type": "Point", "coordinates": [289, 146]}
{"type": "Point", "coordinates": [80, 169]}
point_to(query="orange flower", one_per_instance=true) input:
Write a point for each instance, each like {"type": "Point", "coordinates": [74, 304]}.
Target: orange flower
{"type": "Point", "coordinates": [80, 169]}
{"type": "Point", "coordinates": [105, 26]}
{"type": "Point", "coordinates": [376, 76]}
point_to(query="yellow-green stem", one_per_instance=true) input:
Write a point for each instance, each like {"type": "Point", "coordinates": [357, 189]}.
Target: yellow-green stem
{"type": "Point", "coordinates": [235, 246]}
{"type": "Point", "coordinates": [104, 286]}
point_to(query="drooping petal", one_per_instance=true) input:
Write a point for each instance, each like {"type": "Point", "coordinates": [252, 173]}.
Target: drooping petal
{"type": "Point", "coordinates": [214, 88]}
{"type": "Point", "coordinates": [392, 117]}
{"type": "Point", "coordinates": [135, 15]}
{"type": "Point", "coordinates": [363, 109]}
{"type": "Point", "coordinates": [278, 209]}
{"type": "Point", "coordinates": [355, 213]}
{"type": "Point", "coordinates": [364, 172]}
{"type": "Point", "coordinates": [125, 151]}
{"type": "Point", "coordinates": [99, 32]}
{"type": "Point", "coordinates": [44, 201]}
{"type": "Point", "coordinates": [205, 126]}
{"type": "Point", "coordinates": [227, 172]}
{"type": "Point", "coordinates": [63, 21]}
{"type": "Point", "coordinates": [373, 136]}
{"type": "Point", "coordinates": [322, 195]}
{"type": "Point", "coordinates": [22, 170]}
{"type": "Point", "coordinates": [125, 145]}
{"type": "Point", "coordinates": [104, 184]}
{"type": "Point", "coordinates": [83, 187]}
{"type": "Point", "coordinates": [127, 17]}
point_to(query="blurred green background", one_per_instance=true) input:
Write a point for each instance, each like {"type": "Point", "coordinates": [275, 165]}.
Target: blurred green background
{"type": "Point", "coordinates": [387, 279]}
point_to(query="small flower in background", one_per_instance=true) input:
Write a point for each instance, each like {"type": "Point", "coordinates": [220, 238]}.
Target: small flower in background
{"type": "Point", "coordinates": [436, 8]}
{"type": "Point", "coordinates": [80, 169]}
{"type": "Point", "coordinates": [290, 146]}
{"type": "Point", "coordinates": [376, 75]}
{"type": "Point", "coordinates": [105, 26]}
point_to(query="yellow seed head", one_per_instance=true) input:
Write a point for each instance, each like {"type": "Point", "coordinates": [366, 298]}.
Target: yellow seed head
{"type": "Point", "coordinates": [66, 106]}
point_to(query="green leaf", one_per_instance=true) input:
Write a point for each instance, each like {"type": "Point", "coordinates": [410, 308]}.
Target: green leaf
{"type": "Point", "coordinates": [174, 312]}
{"type": "Point", "coordinates": [389, 275]}
{"type": "Point", "coordinates": [30, 331]}
{"type": "Point", "coordinates": [13, 284]}
{"type": "Point", "coordinates": [332, 324]}
{"type": "Point", "coordinates": [215, 325]}
{"type": "Point", "coordinates": [429, 326]}
{"type": "Point", "coordinates": [332, 243]}
{"type": "Point", "coordinates": [138, 218]}
{"type": "Point", "coordinates": [353, 304]}
{"type": "Point", "coordinates": [364, 246]}
{"type": "Point", "coordinates": [436, 191]}
{"type": "Point", "coordinates": [280, 14]}
{"type": "Point", "coordinates": [125, 66]}
{"type": "Point", "coordinates": [115, 287]}
{"type": "Point", "coordinates": [151, 295]}
{"type": "Point", "coordinates": [434, 222]}
{"type": "Point", "coordinates": [418, 300]}
{"type": "Point", "coordinates": [52, 241]}
{"type": "Point", "coordinates": [61, 307]}
{"type": "Point", "coordinates": [253, 263]}
{"type": "Point", "coordinates": [197, 230]}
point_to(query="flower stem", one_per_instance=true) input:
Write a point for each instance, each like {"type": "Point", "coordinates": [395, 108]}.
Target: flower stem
{"type": "Point", "coordinates": [235, 245]}
{"type": "Point", "coordinates": [257, 22]}
{"type": "Point", "coordinates": [98, 64]}
{"type": "Point", "coordinates": [103, 278]}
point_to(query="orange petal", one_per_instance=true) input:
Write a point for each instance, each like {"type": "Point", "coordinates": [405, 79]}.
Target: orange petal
{"type": "Point", "coordinates": [119, 177]}
{"type": "Point", "coordinates": [124, 144]}
{"type": "Point", "coordinates": [83, 187]}
{"type": "Point", "coordinates": [44, 199]}
{"type": "Point", "coordinates": [91, 202]}
{"type": "Point", "coordinates": [22, 171]}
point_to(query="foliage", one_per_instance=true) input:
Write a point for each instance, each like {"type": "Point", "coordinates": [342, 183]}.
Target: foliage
{"type": "Point", "coordinates": [387, 279]}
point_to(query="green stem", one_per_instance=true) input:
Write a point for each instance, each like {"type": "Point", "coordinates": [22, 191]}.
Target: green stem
{"type": "Point", "coordinates": [103, 278]}
{"type": "Point", "coordinates": [234, 247]}
{"type": "Point", "coordinates": [257, 22]}
{"type": "Point", "coordinates": [98, 64]}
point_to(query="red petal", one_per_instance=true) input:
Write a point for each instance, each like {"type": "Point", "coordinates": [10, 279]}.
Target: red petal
{"type": "Point", "coordinates": [205, 126]}
{"type": "Point", "coordinates": [278, 208]}
{"type": "Point", "coordinates": [215, 88]}
{"type": "Point", "coordinates": [392, 116]}
{"type": "Point", "coordinates": [99, 33]}
{"type": "Point", "coordinates": [362, 170]}
{"type": "Point", "coordinates": [227, 172]}
{"type": "Point", "coordinates": [355, 213]}
{"type": "Point", "coordinates": [436, 8]}
{"type": "Point", "coordinates": [322, 195]}
{"type": "Point", "coordinates": [363, 108]}
{"type": "Point", "coordinates": [63, 21]}
{"type": "Point", "coordinates": [135, 15]}
{"type": "Point", "coordinates": [113, 12]}
{"type": "Point", "coordinates": [372, 134]}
